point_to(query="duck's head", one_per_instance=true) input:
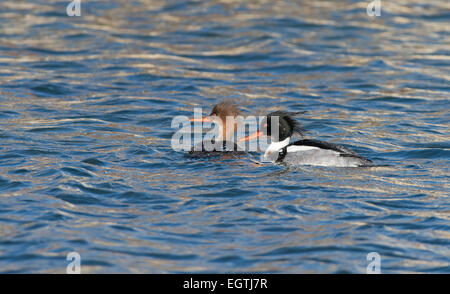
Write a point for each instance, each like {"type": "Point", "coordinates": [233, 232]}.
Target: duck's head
{"type": "Point", "coordinates": [219, 115]}
{"type": "Point", "coordinates": [278, 125]}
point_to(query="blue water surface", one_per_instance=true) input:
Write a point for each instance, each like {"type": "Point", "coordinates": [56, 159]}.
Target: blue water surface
{"type": "Point", "coordinates": [86, 163]}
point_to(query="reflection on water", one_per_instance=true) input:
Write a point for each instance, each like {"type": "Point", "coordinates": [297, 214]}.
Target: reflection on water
{"type": "Point", "coordinates": [86, 165]}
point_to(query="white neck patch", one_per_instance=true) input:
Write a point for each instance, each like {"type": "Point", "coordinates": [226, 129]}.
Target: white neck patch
{"type": "Point", "coordinates": [296, 148]}
{"type": "Point", "coordinates": [275, 146]}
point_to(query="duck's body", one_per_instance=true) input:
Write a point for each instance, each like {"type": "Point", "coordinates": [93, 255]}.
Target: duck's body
{"type": "Point", "coordinates": [305, 151]}
{"type": "Point", "coordinates": [319, 153]}
{"type": "Point", "coordinates": [222, 148]}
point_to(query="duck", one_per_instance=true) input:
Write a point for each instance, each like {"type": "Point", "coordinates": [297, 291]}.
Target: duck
{"type": "Point", "coordinates": [224, 142]}
{"type": "Point", "coordinates": [305, 151]}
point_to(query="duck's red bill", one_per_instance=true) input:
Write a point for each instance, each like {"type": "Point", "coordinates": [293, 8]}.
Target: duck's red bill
{"type": "Point", "coordinates": [251, 136]}
{"type": "Point", "coordinates": [203, 119]}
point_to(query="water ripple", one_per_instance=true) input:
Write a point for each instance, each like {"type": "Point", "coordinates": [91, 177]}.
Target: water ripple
{"type": "Point", "coordinates": [86, 164]}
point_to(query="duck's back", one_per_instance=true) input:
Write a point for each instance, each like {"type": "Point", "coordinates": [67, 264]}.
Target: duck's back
{"type": "Point", "coordinates": [320, 153]}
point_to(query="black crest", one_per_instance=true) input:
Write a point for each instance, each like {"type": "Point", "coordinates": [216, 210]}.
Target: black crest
{"type": "Point", "coordinates": [287, 125]}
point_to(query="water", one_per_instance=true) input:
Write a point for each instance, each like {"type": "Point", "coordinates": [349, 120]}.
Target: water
{"type": "Point", "coordinates": [86, 164]}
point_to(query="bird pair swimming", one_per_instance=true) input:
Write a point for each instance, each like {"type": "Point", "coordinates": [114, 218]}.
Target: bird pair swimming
{"type": "Point", "coordinates": [280, 126]}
